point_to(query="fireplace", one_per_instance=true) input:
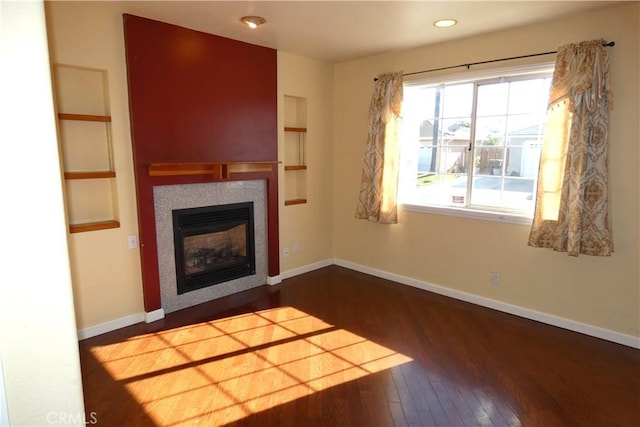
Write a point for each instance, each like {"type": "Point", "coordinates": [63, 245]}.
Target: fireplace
{"type": "Point", "coordinates": [213, 244]}
{"type": "Point", "coordinates": [176, 197]}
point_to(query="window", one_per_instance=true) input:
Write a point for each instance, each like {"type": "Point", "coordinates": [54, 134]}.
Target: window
{"type": "Point", "coordinates": [474, 145]}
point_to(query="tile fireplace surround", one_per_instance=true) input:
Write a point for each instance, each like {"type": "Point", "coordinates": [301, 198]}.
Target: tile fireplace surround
{"type": "Point", "coordinates": [169, 197]}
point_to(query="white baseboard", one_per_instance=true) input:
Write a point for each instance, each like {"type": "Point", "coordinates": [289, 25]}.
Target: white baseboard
{"type": "Point", "coordinates": [111, 325]}
{"type": "Point", "coordinates": [306, 268]}
{"type": "Point", "coordinates": [274, 280]}
{"type": "Point", "coordinates": [572, 325]}
{"type": "Point", "coordinates": [122, 322]}
{"type": "Point", "coordinates": [561, 322]}
{"type": "Point", "coordinates": [154, 315]}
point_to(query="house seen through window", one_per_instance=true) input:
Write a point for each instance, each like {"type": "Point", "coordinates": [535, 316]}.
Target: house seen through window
{"type": "Point", "coordinates": [474, 144]}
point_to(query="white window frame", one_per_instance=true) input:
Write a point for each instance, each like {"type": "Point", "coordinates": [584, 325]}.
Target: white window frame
{"type": "Point", "coordinates": [529, 70]}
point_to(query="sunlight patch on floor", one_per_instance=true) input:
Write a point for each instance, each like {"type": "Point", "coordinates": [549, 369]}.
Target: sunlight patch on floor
{"type": "Point", "coordinates": [221, 371]}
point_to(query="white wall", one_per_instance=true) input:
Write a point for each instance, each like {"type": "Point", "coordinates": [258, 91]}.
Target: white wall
{"type": "Point", "coordinates": [310, 224]}
{"type": "Point", "coordinates": [106, 275]}
{"type": "Point", "coordinates": [452, 252]}
{"type": "Point", "coordinates": [107, 278]}
{"type": "Point", "coordinates": [4, 412]}
{"type": "Point", "coordinates": [459, 254]}
{"type": "Point", "coordinates": [37, 324]}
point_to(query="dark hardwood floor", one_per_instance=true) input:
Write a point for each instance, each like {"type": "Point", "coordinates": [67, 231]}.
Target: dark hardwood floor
{"type": "Point", "coordinates": [335, 347]}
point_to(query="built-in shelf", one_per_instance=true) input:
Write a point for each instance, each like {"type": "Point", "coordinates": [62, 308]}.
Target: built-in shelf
{"type": "Point", "coordinates": [295, 168]}
{"type": "Point", "coordinates": [89, 175]}
{"type": "Point", "coordinates": [219, 170]}
{"type": "Point", "coordinates": [294, 202]}
{"type": "Point", "coordinates": [294, 129]}
{"type": "Point", "coordinates": [93, 226]}
{"type": "Point", "coordinates": [84, 117]}
{"type": "Point", "coordinates": [86, 148]}
{"type": "Point", "coordinates": [295, 150]}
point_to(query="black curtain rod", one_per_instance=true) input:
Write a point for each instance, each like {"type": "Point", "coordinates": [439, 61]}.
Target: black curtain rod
{"type": "Point", "coordinates": [609, 44]}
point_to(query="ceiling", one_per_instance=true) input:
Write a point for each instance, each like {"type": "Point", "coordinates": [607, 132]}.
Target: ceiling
{"type": "Point", "coordinates": [337, 31]}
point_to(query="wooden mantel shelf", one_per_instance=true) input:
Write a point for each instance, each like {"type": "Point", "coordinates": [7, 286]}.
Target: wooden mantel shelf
{"type": "Point", "coordinates": [219, 170]}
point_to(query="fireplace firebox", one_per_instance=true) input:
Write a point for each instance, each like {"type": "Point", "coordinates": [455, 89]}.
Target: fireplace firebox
{"type": "Point", "coordinates": [213, 244]}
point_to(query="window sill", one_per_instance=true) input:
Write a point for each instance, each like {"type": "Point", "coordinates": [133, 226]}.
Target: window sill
{"type": "Point", "coordinates": [503, 217]}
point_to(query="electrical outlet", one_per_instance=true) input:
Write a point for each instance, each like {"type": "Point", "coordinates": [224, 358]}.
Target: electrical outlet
{"type": "Point", "coordinates": [296, 248]}
{"type": "Point", "coordinates": [132, 241]}
{"type": "Point", "coordinates": [285, 252]}
{"type": "Point", "coordinates": [495, 277]}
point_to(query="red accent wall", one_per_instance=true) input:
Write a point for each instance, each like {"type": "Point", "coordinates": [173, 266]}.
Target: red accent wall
{"type": "Point", "coordinates": [197, 97]}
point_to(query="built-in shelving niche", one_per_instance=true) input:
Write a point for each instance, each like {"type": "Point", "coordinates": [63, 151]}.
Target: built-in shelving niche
{"type": "Point", "coordinates": [295, 150]}
{"type": "Point", "coordinates": [84, 126]}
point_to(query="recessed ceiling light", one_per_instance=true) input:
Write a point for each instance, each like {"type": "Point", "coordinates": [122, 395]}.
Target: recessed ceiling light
{"type": "Point", "coordinates": [253, 21]}
{"type": "Point", "coordinates": [443, 23]}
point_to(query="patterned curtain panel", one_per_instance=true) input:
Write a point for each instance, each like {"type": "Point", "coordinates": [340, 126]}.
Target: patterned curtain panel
{"type": "Point", "coordinates": [379, 185]}
{"type": "Point", "coordinates": [572, 202]}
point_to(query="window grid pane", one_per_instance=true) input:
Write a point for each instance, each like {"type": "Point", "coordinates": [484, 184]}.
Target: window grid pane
{"type": "Point", "coordinates": [501, 170]}
{"type": "Point", "coordinates": [442, 163]}
{"type": "Point", "coordinates": [508, 146]}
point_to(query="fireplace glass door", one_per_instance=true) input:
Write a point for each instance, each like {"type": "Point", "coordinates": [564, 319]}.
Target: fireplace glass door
{"type": "Point", "coordinates": [213, 244]}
